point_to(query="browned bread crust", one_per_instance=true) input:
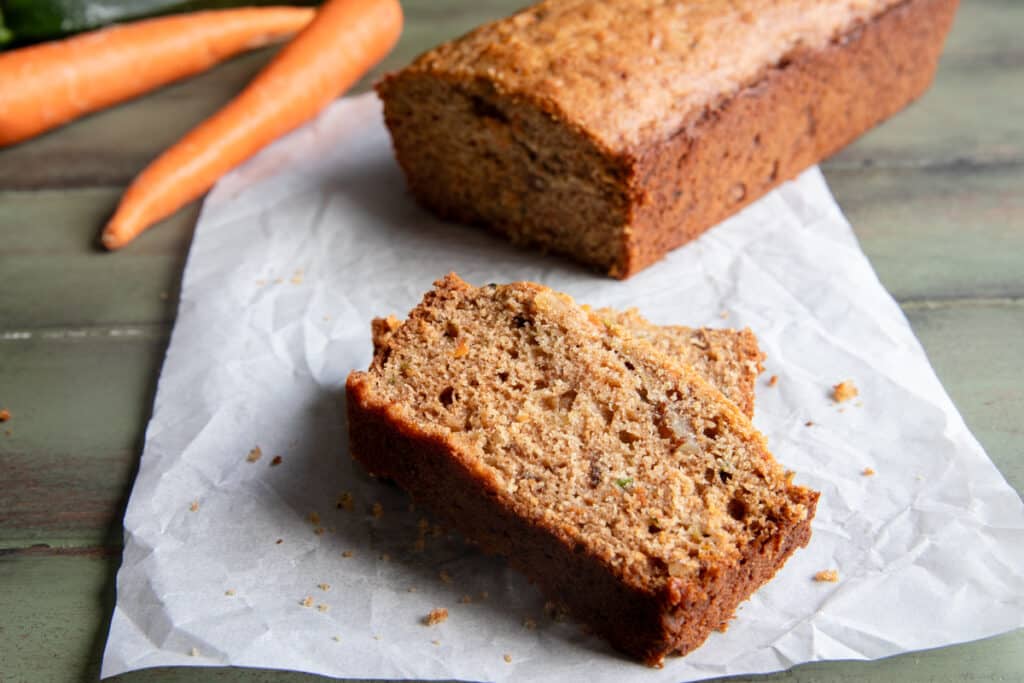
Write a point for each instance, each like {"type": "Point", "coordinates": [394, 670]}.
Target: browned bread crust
{"type": "Point", "coordinates": [446, 410]}
{"type": "Point", "coordinates": [614, 132]}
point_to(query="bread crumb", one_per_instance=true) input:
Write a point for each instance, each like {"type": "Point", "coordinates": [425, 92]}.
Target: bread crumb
{"type": "Point", "coordinates": [844, 391]}
{"type": "Point", "coordinates": [808, 424]}
{"type": "Point", "coordinates": [279, 541]}
{"type": "Point", "coordinates": [376, 636]}
{"type": "Point", "coordinates": [412, 589]}
{"type": "Point", "coordinates": [324, 586]}
{"type": "Point", "coordinates": [868, 472]}
{"type": "Point", "coordinates": [484, 595]}
{"type": "Point", "coordinates": [193, 506]}
{"type": "Point", "coordinates": [436, 642]}
{"type": "Point", "coordinates": [466, 599]}
{"type": "Point", "coordinates": [194, 652]}
{"type": "Point", "coordinates": [322, 607]}
{"type": "Point", "coordinates": [229, 592]}
{"type": "Point", "coordinates": [297, 277]}
{"type": "Point", "coordinates": [529, 624]}
{"type": "Point", "coordinates": [319, 531]}
{"type": "Point", "coordinates": [827, 575]}
{"type": "Point", "coordinates": [773, 380]}
{"type": "Point", "coordinates": [461, 350]}
{"type": "Point", "coordinates": [345, 502]}
{"type": "Point", "coordinates": [436, 616]}
{"type": "Point", "coordinates": [507, 658]}
{"type": "Point", "coordinates": [385, 557]}
{"type": "Point", "coordinates": [313, 518]}
{"type": "Point", "coordinates": [723, 627]}
{"type": "Point", "coordinates": [255, 454]}
{"type": "Point", "coordinates": [277, 460]}
{"type": "Point", "coordinates": [377, 510]}
{"type": "Point", "coordinates": [5, 415]}
{"type": "Point", "coordinates": [445, 576]}
{"type": "Point", "coordinates": [307, 601]}
{"type": "Point", "coordinates": [347, 553]}
{"type": "Point", "coordinates": [336, 639]}
{"type": "Point", "coordinates": [723, 315]}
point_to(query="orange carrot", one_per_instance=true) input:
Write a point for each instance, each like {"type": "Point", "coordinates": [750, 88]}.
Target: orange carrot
{"type": "Point", "coordinates": [47, 85]}
{"type": "Point", "coordinates": [339, 46]}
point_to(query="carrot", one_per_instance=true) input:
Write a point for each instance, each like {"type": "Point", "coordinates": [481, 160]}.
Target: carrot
{"type": "Point", "coordinates": [339, 46]}
{"type": "Point", "coordinates": [47, 85]}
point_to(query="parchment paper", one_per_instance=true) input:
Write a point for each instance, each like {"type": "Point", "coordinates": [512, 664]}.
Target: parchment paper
{"type": "Point", "coordinates": [293, 255]}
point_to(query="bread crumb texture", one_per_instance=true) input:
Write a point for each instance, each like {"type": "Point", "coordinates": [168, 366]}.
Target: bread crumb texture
{"type": "Point", "coordinates": [844, 391]}
{"type": "Point", "coordinates": [255, 454]}
{"type": "Point", "coordinates": [827, 576]}
{"type": "Point", "coordinates": [436, 616]}
{"type": "Point", "coordinates": [868, 472]}
{"type": "Point", "coordinates": [5, 415]}
{"type": "Point", "coordinates": [591, 436]}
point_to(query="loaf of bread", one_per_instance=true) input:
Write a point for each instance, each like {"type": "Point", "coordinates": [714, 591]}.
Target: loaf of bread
{"type": "Point", "coordinates": [730, 360]}
{"type": "Point", "coordinates": [615, 131]}
{"type": "Point", "coordinates": [618, 480]}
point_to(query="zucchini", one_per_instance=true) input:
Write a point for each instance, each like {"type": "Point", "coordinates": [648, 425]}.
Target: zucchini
{"type": "Point", "coordinates": [30, 21]}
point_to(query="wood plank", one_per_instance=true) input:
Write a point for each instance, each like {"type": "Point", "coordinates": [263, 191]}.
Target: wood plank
{"type": "Point", "coordinates": [973, 111]}
{"type": "Point", "coordinates": [939, 233]}
{"type": "Point", "coordinates": [57, 611]}
{"type": "Point", "coordinates": [55, 275]}
{"type": "Point", "coordinates": [79, 406]}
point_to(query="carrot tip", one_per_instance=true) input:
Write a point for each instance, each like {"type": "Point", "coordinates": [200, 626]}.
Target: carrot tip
{"type": "Point", "coordinates": [110, 241]}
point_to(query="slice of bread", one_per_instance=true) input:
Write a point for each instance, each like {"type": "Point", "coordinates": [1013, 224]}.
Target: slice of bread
{"type": "Point", "coordinates": [620, 481]}
{"type": "Point", "coordinates": [730, 360]}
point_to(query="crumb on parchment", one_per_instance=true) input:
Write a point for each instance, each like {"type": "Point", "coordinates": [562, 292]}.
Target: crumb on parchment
{"type": "Point", "coordinates": [347, 553]}
{"type": "Point", "coordinates": [508, 658]}
{"type": "Point", "coordinates": [194, 652]}
{"type": "Point", "coordinates": [319, 531]}
{"type": "Point", "coordinates": [844, 391]}
{"type": "Point", "coordinates": [324, 586]}
{"type": "Point", "coordinates": [277, 460]}
{"type": "Point", "coordinates": [466, 599]}
{"type": "Point", "coordinates": [868, 472]}
{"type": "Point", "coordinates": [314, 519]}
{"type": "Point", "coordinates": [193, 506]}
{"type": "Point", "coordinates": [307, 601]}
{"type": "Point", "coordinates": [445, 576]}
{"type": "Point", "coordinates": [322, 608]}
{"type": "Point", "coordinates": [809, 423]}
{"type": "Point", "coordinates": [827, 576]}
{"type": "Point", "coordinates": [345, 502]}
{"type": "Point", "coordinates": [279, 541]}
{"type": "Point", "coordinates": [773, 380]}
{"type": "Point", "coordinates": [255, 454]}
{"type": "Point", "coordinates": [436, 616]}
{"type": "Point", "coordinates": [229, 592]}
{"type": "Point", "coordinates": [5, 415]}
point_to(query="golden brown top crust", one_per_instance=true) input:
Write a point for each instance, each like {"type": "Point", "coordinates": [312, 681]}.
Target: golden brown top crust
{"type": "Point", "coordinates": [634, 72]}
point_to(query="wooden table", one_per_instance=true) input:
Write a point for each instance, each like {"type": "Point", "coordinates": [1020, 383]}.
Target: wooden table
{"type": "Point", "coordinates": [936, 196]}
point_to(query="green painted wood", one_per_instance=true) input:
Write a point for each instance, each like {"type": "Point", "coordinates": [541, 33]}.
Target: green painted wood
{"type": "Point", "coordinates": [57, 621]}
{"type": "Point", "coordinates": [79, 405]}
{"type": "Point", "coordinates": [54, 232]}
{"type": "Point", "coordinates": [939, 233]}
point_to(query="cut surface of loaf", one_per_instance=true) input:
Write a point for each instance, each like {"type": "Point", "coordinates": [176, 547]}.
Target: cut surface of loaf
{"type": "Point", "coordinates": [621, 482]}
{"type": "Point", "coordinates": [615, 131]}
{"type": "Point", "coordinates": [730, 360]}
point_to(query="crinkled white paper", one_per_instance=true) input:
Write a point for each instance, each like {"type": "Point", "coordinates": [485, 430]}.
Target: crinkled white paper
{"type": "Point", "coordinates": [295, 253]}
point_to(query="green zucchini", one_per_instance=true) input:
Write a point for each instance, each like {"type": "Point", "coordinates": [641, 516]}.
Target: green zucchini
{"type": "Point", "coordinates": [30, 21]}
